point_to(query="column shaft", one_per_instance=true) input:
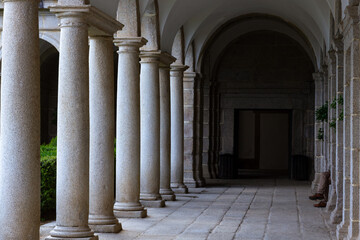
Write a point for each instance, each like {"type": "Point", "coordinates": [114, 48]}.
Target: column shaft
{"type": "Point", "coordinates": [102, 133]}
{"type": "Point", "coordinates": [342, 228]}
{"type": "Point", "coordinates": [336, 215]}
{"type": "Point", "coordinates": [165, 142]}
{"type": "Point", "coordinates": [353, 232]}
{"type": "Point", "coordinates": [20, 122]}
{"type": "Point", "coordinates": [318, 149]}
{"type": "Point", "coordinates": [177, 129]}
{"type": "Point", "coordinates": [150, 130]}
{"type": "Point", "coordinates": [72, 209]}
{"type": "Point", "coordinates": [190, 167]}
{"type": "Point", "coordinates": [330, 206]}
{"type": "Point", "coordinates": [128, 130]}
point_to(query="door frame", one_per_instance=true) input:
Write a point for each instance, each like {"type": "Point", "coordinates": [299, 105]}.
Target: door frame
{"type": "Point", "coordinates": [257, 135]}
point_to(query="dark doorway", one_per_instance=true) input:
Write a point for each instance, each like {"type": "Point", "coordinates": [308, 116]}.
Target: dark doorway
{"type": "Point", "coordinates": [262, 140]}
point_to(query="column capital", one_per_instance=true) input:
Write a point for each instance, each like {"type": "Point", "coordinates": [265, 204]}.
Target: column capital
{"type": "Point", "coordinates": [150, 56]}
{"type": "Point", "coordinates": [178, 67]}
{"type": "Point", "coordinates": [189, 76]}
{"type": "Point", "coordinates": [130, 41]}
{"type": "Point", "coordinates": [318, 76]}
{"type": "Point", "coordinates": [166, 60]}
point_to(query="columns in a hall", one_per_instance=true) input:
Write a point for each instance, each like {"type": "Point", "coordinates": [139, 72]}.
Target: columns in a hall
{"type": "Point", "coordinates": [165, 134]}
{"type": "Point", "coordinates": [336, 214]}
{"type": "Point", "coordinates": [20, 122]}
{"type": "Point", "coordinates": [102, 128]}
{"type": "Point", "coordinates": [73, 123]}
{"type": "Point", "coordinates": [127, 202]}
{"type": "Point", "coordinates": [177, 114]}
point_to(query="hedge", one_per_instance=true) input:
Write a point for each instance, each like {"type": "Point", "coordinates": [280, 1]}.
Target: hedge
{"type": "Point", "coordinates": [48, 177]}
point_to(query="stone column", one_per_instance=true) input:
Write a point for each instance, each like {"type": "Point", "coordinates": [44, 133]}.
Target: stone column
{"type": "Point", "coordinates": [318, 127]}
{"type": "Point", "coordinates": [150, 130]}
{"type": "Point", "coordinates": [20, 122]}
{"type": "Point", "coordinates": [353, 232]}
{"type": "Point", "coordinates": [128, 129]}
{"type": "Point", "coordinates": [332, 133]}
{"type": "Point", "coordinates": [189, 129]}
{"type": "Point", "coordinates": [72, 205]}
{"type": "Point", "coordinates": [177, 128]}
{"type": "Point", "coordinates": [342, 228]}
{"type": "Point", "coordinates": [336, 215]}
{"type": "Point", "coordinates": [326, 128]}
{"type": "Point", "coordinates": [102, 128]}
{"type": "Point", "coordinates": [165, 142]}
{"type": "Point", "coordinates": [200, 181]}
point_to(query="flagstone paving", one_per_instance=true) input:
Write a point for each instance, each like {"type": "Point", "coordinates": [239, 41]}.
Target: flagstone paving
{"type": "Point", "coordinates": [271, 209]}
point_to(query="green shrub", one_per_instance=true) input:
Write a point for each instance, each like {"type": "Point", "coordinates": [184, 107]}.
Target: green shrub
{"type": "Point", "coordinates": [48, 176]}
{"type": "Point", "coordinates": [322, 113]}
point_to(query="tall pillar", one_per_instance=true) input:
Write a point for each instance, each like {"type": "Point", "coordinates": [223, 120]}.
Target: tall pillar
{"type": "Point", "coordinates": [165, 142]}
{"type": "Point", "coordinates": [189, 129]}
{"type": "Point", "coordinates": [330, 206]}
{"type": "Point", "coordinates": [177, 128]}
{"type": "Point", "coordinates": [128, 130]}
{"type": "Point", "coordinates": [72, 205]}
{"type": "Point", "coordinates": [318, 78]}
{"type": "Point", "coordinates": [102, 128]}
{"type": "Point", "coordinates": [349, 227]}
{"type": "Point", "coordinates": [150, 130]}
{"type": "Point", "coordinates": [336, 215]}
{"type": "Point", "coordinates": [353, 232]}
{"type": "Point", "coordinates": [342, 228]}
{"type": "Point", "coordinates": [20, 122]}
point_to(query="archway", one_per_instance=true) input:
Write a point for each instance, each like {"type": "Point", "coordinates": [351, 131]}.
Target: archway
{"type": "Point", "coordinates": [49, 90]}
{"type": "Point", "coordinates": [258, 98]}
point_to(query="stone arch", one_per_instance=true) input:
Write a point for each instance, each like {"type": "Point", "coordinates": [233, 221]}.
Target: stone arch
{"type": "Point", "coordinates": [128, 14]}
{"type": "Point", "coordinates": [213, 112]}
{"type": "Point", "coordinates": [178, 47]}
{"type": "Point", "coordinates": [150, 28]}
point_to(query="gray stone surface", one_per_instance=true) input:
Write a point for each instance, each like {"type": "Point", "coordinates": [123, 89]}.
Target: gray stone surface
{"type": "Point", "coordinates": [243, 209]}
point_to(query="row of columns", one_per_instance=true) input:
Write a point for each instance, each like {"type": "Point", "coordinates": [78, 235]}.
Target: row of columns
{"type": "Point", "coordinates": [339, 153]}
{"type": "Point", "coordinates": [149, 134]}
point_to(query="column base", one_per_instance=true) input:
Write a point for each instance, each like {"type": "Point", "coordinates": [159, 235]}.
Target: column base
{"type": "Point", "coordinates": [200, 183]}
{"type": "Point", "coordinates": [331, 204]}
{"type": "Point", "coordinates": [153, 203]}
{"type": "Point", "coordinates": [104, 224]}
{"type": "Point", "coordinates": [168, 197]}
{"type": "Point", "coordinates": [336, 216]}
{"type": "Point", "coordinates": [60, 238]}
{"type": "Point", "coordinates": [73, 233]}
{"type": "Point", "coordinates": [353, 231]}
{"type": "Point", "coordinates": [130, 214]}
{"type": "Point", "coordinates": [315, 183]}
{"type": "Point", "coordinates": [342, 230]}
{"type": "Point", "coordinates": [181, 190]}
{"type": "Point", "coordinates": [190, 183]}
{"type": "Point", "coordinates": [115, 228]}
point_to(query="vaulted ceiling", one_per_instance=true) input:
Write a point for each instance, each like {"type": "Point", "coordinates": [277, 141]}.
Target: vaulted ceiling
{"type": "Point", "coordinates": [202, 18]}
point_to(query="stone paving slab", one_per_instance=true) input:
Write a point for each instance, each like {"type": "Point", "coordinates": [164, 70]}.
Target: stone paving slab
{"type": "Point", "coordinates": [271, 209]}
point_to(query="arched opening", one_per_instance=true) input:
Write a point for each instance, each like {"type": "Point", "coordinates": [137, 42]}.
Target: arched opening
{"type": "Point", "coordinates": [258, 101]}
{"type": "Point", "coordinates": [49, 72]}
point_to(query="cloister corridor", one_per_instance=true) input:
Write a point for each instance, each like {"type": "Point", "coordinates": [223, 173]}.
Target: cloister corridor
{"type": "Point", "coordinates": [272, 209]}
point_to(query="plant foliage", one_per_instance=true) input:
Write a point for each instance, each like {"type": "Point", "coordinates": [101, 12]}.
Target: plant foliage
{"type": "Point", "coordinates": [322, 113]}
{"type": "Point", "coordinates": [48, 176]}
{"type": "Point", "coordinates": [320, 135]}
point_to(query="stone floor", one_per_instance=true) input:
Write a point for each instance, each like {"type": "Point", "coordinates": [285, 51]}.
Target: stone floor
{"type": "Point", "coordinates": [238, 209]}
